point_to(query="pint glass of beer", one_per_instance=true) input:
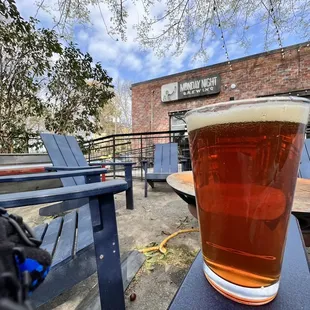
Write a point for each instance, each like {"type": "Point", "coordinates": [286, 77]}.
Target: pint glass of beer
{"type": "Point", "coordinates": [245, 157]}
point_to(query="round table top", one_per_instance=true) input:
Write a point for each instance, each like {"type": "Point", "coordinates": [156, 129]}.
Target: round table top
{"type": "Point", "coordinates": [184, 183]}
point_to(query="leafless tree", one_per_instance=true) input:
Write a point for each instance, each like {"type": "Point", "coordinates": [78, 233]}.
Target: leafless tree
{"type": "Point", "coordinates": [123, 102]}
{"type": "Point", "coordinates": [115, 117]}
{"type": "Point", "coordinates": [182, 21]}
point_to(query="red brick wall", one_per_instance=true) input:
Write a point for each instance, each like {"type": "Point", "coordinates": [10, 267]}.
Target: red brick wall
{"type": "Point", "coordinates": [265, 74]}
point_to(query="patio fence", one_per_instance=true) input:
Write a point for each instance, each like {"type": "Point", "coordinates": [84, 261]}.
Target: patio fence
{"type": "Point", "coordinates": [134, 147]}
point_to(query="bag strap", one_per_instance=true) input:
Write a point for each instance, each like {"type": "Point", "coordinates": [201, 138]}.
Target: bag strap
{"type": "Point", "coordinates": [26, 233]}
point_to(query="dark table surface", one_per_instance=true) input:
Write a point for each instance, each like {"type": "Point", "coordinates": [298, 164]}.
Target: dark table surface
{"type": "Point", "coordinates": [196, 293]}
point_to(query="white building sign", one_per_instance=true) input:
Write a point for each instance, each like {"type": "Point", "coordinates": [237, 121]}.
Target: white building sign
{"type": "Point", "coordinates": [191, 88]}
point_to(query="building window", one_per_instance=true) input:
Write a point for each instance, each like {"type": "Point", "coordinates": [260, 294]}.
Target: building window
{"type": "Point", "coordinates": [177, 121]}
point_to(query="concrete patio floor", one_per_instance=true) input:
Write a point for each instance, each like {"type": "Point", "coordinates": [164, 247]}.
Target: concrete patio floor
{"type": "Point", "coordinates": [153, 218]}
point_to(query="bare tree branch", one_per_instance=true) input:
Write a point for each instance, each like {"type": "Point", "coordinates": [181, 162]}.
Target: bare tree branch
{"type": "Point", "coordinates": [40, 5]}
{"type": "Point", "coordinates": [178, 23]}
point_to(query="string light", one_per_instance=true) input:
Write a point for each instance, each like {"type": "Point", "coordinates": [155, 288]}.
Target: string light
{"type": "Point", "coordinates": [301, 46]}
{"type": "Point", "coordinates": [273, 16]}
{"type": "Point", "coordinates": [224, 46]}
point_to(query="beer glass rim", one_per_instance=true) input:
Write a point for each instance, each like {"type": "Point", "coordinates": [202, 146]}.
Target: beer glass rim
{"type": "Point", "coordinates": [281, 99]}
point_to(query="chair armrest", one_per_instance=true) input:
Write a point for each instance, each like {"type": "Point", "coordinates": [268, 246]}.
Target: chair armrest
{"type": "Point", "coordinates": [51, 175]}
{"type": "Point", "coordinates": [61, 194]}
{"type": "Point", "coordinates": [144, 161]}
{"type": "Point", "coordinates": [63, 168]}
{"type": "Point", "coordinates": [94, 164]}
{"type": "Point", "coordinates": [115, 164]}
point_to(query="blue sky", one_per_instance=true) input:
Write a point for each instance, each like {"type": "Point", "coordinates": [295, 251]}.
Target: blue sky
{"type": "Point", "coordinates": [126, 61]}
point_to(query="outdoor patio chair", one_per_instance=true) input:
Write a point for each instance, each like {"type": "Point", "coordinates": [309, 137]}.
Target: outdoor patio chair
{"type": "Point", "coordinates": [83, 241]}
{"type": "Point", "coordinates": [165, 163]}
{"type": "Point", "coordinates": [304, 172]}
{"type": "Point", "coordinates": [304, 167]}
{"type": "Point", "coordinates": [65, 154]}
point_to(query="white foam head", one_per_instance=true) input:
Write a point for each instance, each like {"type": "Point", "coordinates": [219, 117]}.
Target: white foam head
{"type": "Point", "coordinates": [282, 109]}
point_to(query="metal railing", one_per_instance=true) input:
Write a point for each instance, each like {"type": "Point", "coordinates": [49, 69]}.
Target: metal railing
{"type": "Point", "coordinates": [134, 147]}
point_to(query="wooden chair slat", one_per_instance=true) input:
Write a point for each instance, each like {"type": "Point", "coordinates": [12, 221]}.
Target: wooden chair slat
{"type": "Point", "coordinates": [304, 170]}
{"type": "Point", "coordinates": [166, 158]}
{"type": "Point", "coordinates": [304, 167]}
{"type": "Point", "coordinates": [76, 151]}
{"type": "Point", "coordinates": [65, 247]}
{"type": "Point", "coordinates": [158, 158]}
{"type": "Point", "coordinates": [56, 156]}
{"type": "Point", "coordinates": [307, 148]}
{"type": "Point", "coordinates": [85, 231]}
{"type": "Point", "coordinates": [304, 154]}
{"type": "Point", "coordinates": [51, 236]}
{"type": "Point", "coordinates": [40, 230]}
{"type": "Point", "coordinates": [68, 156]}
{"type": "Point", "coordinates": [165, 163]}
{"type": "Point", "coordinates": [173, 158]}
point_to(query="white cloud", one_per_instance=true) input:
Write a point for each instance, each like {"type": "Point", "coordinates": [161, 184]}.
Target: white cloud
{"type": "Point", "coordinates": [125, 59]}
{"type": "Point", "coordinates": [133, 62]}
{"type": "Point", "coordinates": [103, 51]}
{"type": "Point", "coordinates": [120, 57]}
{"type": "Point", "coordinates": [113, 72]}
{"type": "Point", "coordinates": [82, 35]}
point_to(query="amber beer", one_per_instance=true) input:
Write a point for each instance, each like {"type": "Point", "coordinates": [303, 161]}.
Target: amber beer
{"type": "Point", "coordinates": [245, 158]}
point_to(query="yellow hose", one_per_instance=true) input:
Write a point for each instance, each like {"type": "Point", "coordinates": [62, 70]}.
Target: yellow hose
{"type": "Point", "coordinates": [161, 247]}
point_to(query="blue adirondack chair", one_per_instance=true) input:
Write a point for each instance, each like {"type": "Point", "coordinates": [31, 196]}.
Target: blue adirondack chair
{"type": "Point", "coordinates": [82, 242]}
{"type": "Point", "coordinates": [65, 154]}
{"type": "Point", "coordinates": [304, 172]}
{"type": "Point", "coordinates": [304, 167]}
{"type": "Point", "coordinates": [165, 163]}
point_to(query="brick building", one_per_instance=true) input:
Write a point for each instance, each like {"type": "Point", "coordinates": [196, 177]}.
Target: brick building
{"type": "Point", "coordinates": [159, 104]}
